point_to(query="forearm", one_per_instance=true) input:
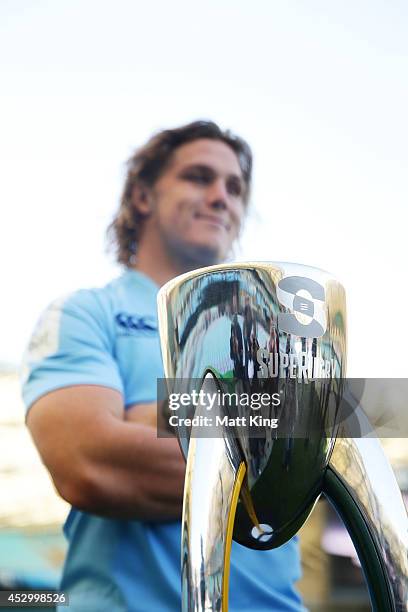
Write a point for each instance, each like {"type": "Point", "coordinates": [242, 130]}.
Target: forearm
{"type": "Point", "coordinates": [104, 459]}
{"type": "Point", "coordinates": [130, 473]}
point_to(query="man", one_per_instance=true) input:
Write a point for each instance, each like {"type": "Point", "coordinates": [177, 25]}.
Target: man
{"type": "Point", "coordinates": [90, 390]}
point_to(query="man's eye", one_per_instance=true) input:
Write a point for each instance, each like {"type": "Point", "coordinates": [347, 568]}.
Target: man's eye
{"type": "Point", "coordinates": [198, 178]}
{"type": "Point", "coordinates": [234, 188]}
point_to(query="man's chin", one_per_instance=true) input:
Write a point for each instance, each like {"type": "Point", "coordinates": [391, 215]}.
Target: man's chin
{"type": "Point", "coordinates": [199, 256]}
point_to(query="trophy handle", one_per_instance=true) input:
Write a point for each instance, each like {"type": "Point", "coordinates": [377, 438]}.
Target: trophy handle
{"type": "Point", "coordinates": [361, 486]}
{"type": "Point", "coordinates": [215, 474]}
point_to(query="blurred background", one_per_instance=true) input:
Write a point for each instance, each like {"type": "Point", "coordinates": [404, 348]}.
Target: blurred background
{"type": "Point", "coordinates": [319, 90]}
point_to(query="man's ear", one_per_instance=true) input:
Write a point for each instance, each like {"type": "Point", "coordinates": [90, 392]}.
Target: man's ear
{"type": "Point", "coordinates": [142, 200]}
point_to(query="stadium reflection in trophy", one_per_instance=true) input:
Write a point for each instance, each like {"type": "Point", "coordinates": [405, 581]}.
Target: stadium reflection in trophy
{"type": "Point", "coordinates": [274, 335]}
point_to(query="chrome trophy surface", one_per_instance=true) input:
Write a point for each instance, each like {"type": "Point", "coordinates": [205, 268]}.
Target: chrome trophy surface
{"type": "Point", "coordinates": [255, 469]}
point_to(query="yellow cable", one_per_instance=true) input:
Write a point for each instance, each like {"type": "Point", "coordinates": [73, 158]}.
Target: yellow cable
{"type": "Point", "coordinates": [249, 506]}
{"type": "Point", "coordinates": [228, 536]}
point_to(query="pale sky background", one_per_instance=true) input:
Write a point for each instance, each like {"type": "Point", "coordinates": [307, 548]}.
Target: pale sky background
{"type": "Point", "coordinates": [319, 89]}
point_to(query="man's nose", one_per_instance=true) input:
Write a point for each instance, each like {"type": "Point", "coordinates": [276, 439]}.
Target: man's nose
{"type": "Point", "coordinates": [217, 196]}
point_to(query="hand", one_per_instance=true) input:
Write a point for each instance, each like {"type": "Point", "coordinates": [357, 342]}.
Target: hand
{"type": "Point", "coordinates": [151, 414]}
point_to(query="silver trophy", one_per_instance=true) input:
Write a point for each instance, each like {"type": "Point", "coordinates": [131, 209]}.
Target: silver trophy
{"type": "Point", "coordinates": [255, 469]}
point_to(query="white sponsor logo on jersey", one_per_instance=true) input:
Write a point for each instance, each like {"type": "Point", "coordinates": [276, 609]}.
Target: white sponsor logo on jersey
{"type": "Point", "coordinates": [45, 338]}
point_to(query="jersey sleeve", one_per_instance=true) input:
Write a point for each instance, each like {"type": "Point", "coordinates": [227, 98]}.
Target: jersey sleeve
{"type": "Point", "coordinates": [70, 345]}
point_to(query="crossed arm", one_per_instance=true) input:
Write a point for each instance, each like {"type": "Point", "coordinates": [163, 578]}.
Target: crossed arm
{"type": "Point", "coordinates": [105, 460]}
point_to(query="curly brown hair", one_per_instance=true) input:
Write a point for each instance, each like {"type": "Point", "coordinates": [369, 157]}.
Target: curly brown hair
{"type": "Point", "coordinates": [148, 163]}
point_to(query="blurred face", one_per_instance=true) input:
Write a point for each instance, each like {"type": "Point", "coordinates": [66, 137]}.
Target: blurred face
{"type": "Point", "coordinates": [196, 207]}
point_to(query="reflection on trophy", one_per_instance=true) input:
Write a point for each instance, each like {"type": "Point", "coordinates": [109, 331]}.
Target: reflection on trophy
{"type": "Point", "coordinates": [277, 331]}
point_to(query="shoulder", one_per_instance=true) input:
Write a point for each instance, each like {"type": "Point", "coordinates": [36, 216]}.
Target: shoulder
{"type": "Point", "coordinates": [94, 303]}
{"type": "Point", "coordinates": [76, 314]}
{"type": "Point", "coordinates": [72, 343]}
{"type": "Point", "coordinates": [88, 305]}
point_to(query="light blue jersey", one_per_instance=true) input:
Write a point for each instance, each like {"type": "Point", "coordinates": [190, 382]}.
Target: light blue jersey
{"type": "Point", "coordinates": [109, 337]}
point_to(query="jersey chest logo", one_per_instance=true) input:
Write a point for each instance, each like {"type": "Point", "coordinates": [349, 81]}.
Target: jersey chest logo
{"type": "Point", "coordinates": [132, 324]}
